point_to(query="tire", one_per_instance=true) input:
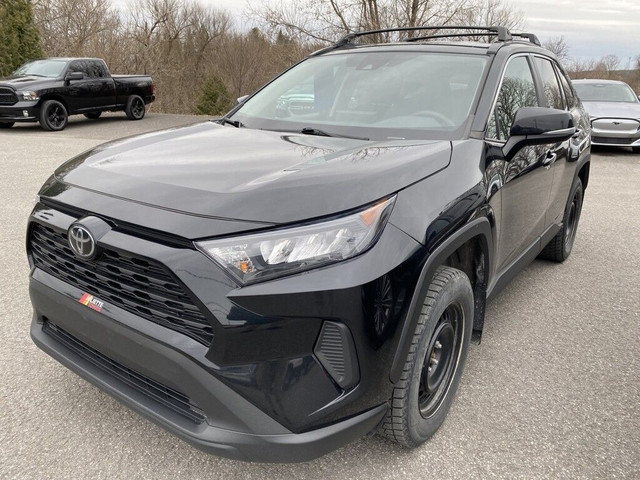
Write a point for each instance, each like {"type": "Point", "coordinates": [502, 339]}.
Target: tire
{"type": "Point", "coordinates": [442, 334]}
{"type": "Point", "coordinates": [93, 115]}
{"type": "Point", "coordinates": [7, 124]}
{"type": "Point", "coordinates": [135, 108]}
{"type": "Point", "coordinates": [635, 149]}
{"type": "Point", "coordinates": [560, 246]}
{"type": "Point", "coordinates": [53, 116]}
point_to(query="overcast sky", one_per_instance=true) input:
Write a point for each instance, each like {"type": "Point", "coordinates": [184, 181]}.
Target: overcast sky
{"type": "Point", "coordinates": [593, 28]}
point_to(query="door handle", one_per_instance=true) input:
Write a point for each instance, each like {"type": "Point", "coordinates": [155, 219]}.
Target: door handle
{"type": "Point", "coordinates": [549, 159]}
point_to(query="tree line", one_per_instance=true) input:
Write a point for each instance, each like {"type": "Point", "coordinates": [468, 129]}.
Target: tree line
{"type": "Point", "coordinates": [202, 59]}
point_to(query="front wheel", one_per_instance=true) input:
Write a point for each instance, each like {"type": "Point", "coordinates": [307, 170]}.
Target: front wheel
{"type": "Point", "coordinates": [560, 246]}
{"type": "Point", "coordinates": [7, 124]}
{"type": "Point", "coordinates": [53, 116]}
{"type": "Point", "coordinates": [135, 108]}
{"type": "Point", "coordinates": [422, 397]}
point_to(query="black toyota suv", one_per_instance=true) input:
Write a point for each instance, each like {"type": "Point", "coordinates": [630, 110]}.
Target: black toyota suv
{"type": "Point", "coordinates": [313, 266]}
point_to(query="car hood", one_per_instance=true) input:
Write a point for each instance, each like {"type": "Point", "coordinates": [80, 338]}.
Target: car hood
{"type": "Point", "coordinates": [26, 82]}
{"type": "Point", "coordinates": [612, 109]}
{"type": "Point", "coordinates": [255, 175]}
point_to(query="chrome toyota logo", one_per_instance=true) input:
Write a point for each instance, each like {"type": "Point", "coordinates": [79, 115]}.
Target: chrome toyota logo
{"type": "Point", "coordinates": [82, 242]}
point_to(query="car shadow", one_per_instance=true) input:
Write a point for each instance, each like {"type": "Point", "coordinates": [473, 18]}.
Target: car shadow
{"type": "Point", "coordinates": [603, 150]}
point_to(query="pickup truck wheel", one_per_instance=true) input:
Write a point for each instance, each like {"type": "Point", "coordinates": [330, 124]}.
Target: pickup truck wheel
{"type": "Point", "coordinates": [93, 115]}
{"type": "Point", "coordinates": [135, 108]}
{"type": "Point", "coordinates": [7, 124]}
{"type": "Point", "coordinates": [560, 246]}
{"type": "Point", "coordinates": [53, 116]}
{"type": "Point", "coordinates": [432, 370]}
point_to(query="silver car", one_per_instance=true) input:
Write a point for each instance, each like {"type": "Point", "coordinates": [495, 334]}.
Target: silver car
{"type": "Point", "coordinates": [614, 111]}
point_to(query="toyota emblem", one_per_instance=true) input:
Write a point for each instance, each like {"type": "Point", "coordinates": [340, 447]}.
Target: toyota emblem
{"type": "Point", "coordinates": [82, 242]}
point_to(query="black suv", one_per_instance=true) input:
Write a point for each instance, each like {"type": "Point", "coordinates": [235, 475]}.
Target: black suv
{"type": "Point", "coordinates": [313, 266]}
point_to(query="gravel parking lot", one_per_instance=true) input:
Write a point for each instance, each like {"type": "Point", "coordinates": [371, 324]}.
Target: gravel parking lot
{"type": "Point", "coordinates": [552, 391]}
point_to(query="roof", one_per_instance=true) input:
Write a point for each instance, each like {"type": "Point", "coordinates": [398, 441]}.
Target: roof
{"type": "Point", "coordinates": [69, 59]}
{"type": "Point", "coordinates": [596, 80]}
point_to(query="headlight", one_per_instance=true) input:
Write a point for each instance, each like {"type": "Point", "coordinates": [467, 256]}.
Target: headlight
{"type": "Point", "coordinates": [262, 256]}
{"type": "Point", "coordinates": [31, 96]}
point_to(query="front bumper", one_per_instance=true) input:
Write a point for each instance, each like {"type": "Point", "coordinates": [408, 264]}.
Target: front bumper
{"type": "Point", "coordinates": [615, 132]}
{"type": "Point", "coordinates": [261, 381]}
{"type": "Point", "coordinates": [261, 438]}
{"type": "Point", "coordinates": [22, 111]}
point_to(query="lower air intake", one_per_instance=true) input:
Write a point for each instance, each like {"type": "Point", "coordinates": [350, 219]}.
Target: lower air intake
{"type": "Point", "coordinates": [162, 394]}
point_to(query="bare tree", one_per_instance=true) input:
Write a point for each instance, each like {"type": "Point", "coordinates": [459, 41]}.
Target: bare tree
{"type": "Point", "coordinates": [559, 46]}
{"type": "Point", "coordinates": [326, 20]}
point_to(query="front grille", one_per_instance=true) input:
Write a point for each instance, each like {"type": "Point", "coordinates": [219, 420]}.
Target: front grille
{"type": "Point", "coordinates": [162, 394]}
{"type": "Point", "coordinates": [613, 140]}
{"type": "Point", "coordinates": [140, 286]}
{"type": "Point", "coordinates": [8, 96]}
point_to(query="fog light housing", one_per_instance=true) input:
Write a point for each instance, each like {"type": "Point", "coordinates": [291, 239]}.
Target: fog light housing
{"type": "Point", "coordinates": [25, 113]}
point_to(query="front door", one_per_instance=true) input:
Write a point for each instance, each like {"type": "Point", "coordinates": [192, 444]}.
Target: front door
{"type": "Point", "coordinates": [526, 179]}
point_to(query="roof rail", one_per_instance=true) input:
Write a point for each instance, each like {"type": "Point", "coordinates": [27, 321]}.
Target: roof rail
{"type": "Point", "coordinates": [502, 33]}
{"type": "Point", "coordinates": [532, 37]}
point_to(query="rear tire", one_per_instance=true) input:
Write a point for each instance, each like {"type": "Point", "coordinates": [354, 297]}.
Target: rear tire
{"type": "Point", "coordinates": [53, 116]}
{"type": "Point", "coordinates": [7, 124]}
{"type": "Point", "coordinates": [422, 397]}
{"type": "Point", "coordinates": [560, 246]}
{"type": "Point", "coordinates": [93, 115]}
{"type": "Point", "coordinates": [135, 108]}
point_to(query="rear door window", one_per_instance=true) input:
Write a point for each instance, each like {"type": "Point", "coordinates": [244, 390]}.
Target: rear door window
{"type": "Point", "coordinates": [550, 85]}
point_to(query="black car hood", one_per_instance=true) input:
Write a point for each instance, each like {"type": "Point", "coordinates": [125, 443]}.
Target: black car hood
{"type": "Point", "coordinates": [255, 175]}
{"type": "Point", "coordinates": [25, 82]}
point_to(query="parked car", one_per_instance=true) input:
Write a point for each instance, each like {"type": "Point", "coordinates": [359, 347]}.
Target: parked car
{"type": "Point", "coordinates": [48, 91]}
{"type": "Point", "coordinates": [614, 112]}
{"type": "Point", "coordinates": [270, 287]}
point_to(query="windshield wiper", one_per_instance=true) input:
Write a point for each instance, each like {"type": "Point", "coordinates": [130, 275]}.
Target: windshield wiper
{"type": "Point", "coordinates": [235, 123]}
{"type": "Point", "coordinates": [322, 133]}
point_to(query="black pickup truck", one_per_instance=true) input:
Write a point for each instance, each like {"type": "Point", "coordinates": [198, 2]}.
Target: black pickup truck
{"type": "Point", "coordinates": [48, 91]}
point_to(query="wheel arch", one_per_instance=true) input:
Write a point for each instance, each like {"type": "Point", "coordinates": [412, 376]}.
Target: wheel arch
{"type": "Point", "coordinates": [468, 249]}
{"type": "Point", "coordinates": [57, 98]}
{"type": "Point", "coordinates": [583, 174]}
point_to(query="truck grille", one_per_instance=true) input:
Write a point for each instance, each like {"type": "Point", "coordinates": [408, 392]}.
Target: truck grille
{"type": "Point", "coordinates": [7, 96]}
{"type": "Point", "coordinates": [140, 286]}
{"type": "Point", "coordinates": [162, 394]}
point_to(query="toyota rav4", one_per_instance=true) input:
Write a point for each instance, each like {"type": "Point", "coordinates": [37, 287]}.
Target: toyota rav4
{"type": "Point", "coordinates": [313, 266]}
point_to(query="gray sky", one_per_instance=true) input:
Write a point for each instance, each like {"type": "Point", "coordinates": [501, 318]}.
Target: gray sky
{"type": "Point", "coordinates": [593, 28]}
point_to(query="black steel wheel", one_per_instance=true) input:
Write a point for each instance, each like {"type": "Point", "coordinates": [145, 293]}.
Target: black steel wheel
{"type": "Point", "coordinates": [441, 359]}
{"type": "Point", "coordinates": [560, 246]}
{"type": "Point", "coordinates": [53, 116]}
{"type": "Point", "coordinates": [422, 397]}
{"type": "Point", "coordinates": [7, 124]}
{"type": "Point", "coordinates": [135, 109]}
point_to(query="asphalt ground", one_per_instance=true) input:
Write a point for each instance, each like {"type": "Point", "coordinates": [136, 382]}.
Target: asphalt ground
{"type": "Point", "coordinates": [553, 391]}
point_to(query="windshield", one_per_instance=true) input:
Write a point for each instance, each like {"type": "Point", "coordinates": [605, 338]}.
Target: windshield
{"type": "Point", "coordinates": [605, 92]}
{"type": "Point", "coordinates": [42, 68]}
{"type": "Point", "coordinates": [378, 95]}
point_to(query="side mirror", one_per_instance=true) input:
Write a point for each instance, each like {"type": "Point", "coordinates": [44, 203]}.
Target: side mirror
{"type": "Point", "coordinates": [241, 99]}
{"type": "Point", "coordinates": [537, 126]}
{"type": "Point", "coordinates": [74, 76]}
